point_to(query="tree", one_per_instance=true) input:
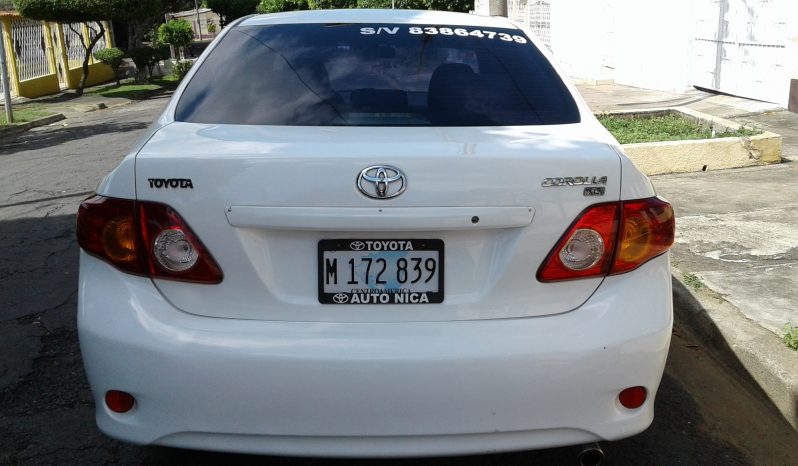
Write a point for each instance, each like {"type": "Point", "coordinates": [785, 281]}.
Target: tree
{"type": "Point", "coordinates": [112, 57]}
{"type": "Point", "coordinates": [230, 10]}
{"type": "Point", "coordinates": [273, 6]}
{"type": "Point", "coordinates": [400, 4]}
{"type": "Point", "coordinates": [330, 4]}
{"type": "Point", "coordinates": [79, 11]}
{"type": "Point", "coordinates": [177, 33]}
{"type": "Point", "coordinates": [462, 6]}
{"type": "Point", "coordinates": [137, 28]}
{"type": "Point", "coordinates": [276, 6]}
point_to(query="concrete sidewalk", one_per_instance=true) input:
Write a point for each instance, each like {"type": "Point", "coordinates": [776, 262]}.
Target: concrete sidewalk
{"type": "Point", "coordinates": [737, 240]}
{"type": "Point", "coordinates": [72, 106]}
{"type": "Point", "coordinates": [615, 97]}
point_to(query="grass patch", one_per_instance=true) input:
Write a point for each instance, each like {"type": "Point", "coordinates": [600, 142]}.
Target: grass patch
{"type": "Point", "coordinates": [129, 91]}
{"type": "Point", "coordinates": [791, 336]}
{"type": "Point", "coordinates": [168, 81]}
{"type": "Point", "coordinates": [664, 128]}
{"type": "Point", "coordinates": [24, 114]}
{"type": "Point", "coordinates": [692, 280]}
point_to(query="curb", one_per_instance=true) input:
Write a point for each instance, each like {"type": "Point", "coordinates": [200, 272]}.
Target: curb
{"type": "Point", "coordinates": [731, 335]}
{"type": "Point", "coordinates": [141, 97]}
{"type": "Point", "coordinates": [21, 128]}
{"type": "Point", "coordinates": [697, 155]}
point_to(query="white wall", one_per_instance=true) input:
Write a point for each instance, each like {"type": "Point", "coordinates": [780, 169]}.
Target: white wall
{"type": "Point", "coordinates": [643, 43]}
{"type": "Point", "coordinates": [653, 42]}
{"type": "Point", "coordinates": [792, 46]}
{"type": "Point", "coordinates": [581, 37]}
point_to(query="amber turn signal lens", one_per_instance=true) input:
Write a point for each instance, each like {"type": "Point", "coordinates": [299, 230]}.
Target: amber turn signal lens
{"type": "Point", "coordinates": [634, 244]}
{"type": "Point", "coordinates": [119, 239]}
{"type": "Point", "coordinates": [647, 230]}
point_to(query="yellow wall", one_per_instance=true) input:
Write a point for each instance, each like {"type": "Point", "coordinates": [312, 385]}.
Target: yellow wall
{"type": "Point", "coordinates": [99, 73]}
{"type": "Point", "coordinates": [40, 86]}
{"type": "Point", "coordinates": [44, 85]}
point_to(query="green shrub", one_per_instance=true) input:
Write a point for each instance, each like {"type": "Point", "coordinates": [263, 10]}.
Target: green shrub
{"type": "Point", "coordinates": [145, 58]}
{"type": "Point", "coordinates": [180, 69]}
{"type": "Point", "coordinates": [112, 57]}
{"type": "Point", "coordinates": [791, 336]}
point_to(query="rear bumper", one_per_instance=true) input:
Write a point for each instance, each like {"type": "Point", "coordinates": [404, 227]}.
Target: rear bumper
{"type": "Point", "coordinates": [373, 389]}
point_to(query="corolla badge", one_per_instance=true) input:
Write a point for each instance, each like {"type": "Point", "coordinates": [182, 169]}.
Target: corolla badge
{"type": "Point", "coordinates": [381, 182]}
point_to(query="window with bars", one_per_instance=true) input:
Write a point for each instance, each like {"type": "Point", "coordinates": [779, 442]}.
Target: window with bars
{"type": "Point", "coordinates": [73, 44]}
{"type": "Point", "coordinates": [540, 20]}
{"type": "Point", "coordinates": [30, 49]}
{"type": "Point", "coordinates": [74, 40]}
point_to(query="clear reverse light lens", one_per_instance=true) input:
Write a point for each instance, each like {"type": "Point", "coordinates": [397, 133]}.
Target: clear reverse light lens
{"type": "Point", "coordinates": [173, 251]}
{"type": "Point", "coordinates": [583, 250]}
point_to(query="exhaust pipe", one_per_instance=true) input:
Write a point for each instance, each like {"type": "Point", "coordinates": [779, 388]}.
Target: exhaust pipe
{"type": "Point", "coordinates": [590, 455]}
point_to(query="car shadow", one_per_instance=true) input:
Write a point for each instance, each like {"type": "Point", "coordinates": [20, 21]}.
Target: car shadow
{"type": "Point", "coordinates": [49, 136]}
{"type": "Point", "coordinates": [690, 313]}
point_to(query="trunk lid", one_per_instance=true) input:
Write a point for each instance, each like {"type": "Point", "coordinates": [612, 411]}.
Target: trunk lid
{"type": "Point", "coordinates": [262, 198]}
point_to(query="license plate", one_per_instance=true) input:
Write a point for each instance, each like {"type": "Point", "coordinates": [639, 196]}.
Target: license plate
{"type": "Point", "coordinates": [394, 271]}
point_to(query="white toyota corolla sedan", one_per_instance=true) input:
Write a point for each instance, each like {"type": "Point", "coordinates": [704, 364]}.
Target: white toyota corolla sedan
{"type": "Point", "coordinates": [375, 233]}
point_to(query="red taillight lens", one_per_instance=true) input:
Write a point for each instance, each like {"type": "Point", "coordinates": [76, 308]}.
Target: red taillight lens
{"type": "Point", "coordinates": [611, 239]}
{"type": "Point", "coordinates": [580, 246]}
{"type": "Point", "coordinates": [174, 250]}
{"type": "Point", "coordinates": [145, 238]}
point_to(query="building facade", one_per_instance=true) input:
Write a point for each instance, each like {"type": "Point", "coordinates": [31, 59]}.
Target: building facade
{"type": "Point", "coordinates": [204, 22]}
{"type": "Point", "coordinates": [534, 14]}
{"type": "Point", "coordinates": [44, 58]}
{"type": "Point", "coordinates": [741, 47]}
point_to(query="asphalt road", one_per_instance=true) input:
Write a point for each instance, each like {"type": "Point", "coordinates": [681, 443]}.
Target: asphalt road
{"type": "Point", "coordinates": [709, 412]}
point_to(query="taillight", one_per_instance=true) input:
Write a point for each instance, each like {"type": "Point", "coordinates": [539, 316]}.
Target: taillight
{"type": "Point", "coordinates": [106, 228]}
{"type": "Point", "coordinates": [174, 251]}
{"type": "Point", "coordinates": [609, 239]}
{"type": "Point", "coordinates": [144, 238]}
{"type": "Point", "coordinates": [648, 227]}
{"type": "Point", "coordinates": [590, 239]}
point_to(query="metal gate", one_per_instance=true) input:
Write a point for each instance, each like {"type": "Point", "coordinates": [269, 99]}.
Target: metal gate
{"type": "Point", "coordinates": [740, 48]}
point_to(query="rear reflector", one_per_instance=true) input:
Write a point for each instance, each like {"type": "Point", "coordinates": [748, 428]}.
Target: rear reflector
{"type": "Point", "coordinates": [119, 401]}
{"type": "Point", "coordinates": [609, 239]}
{"type": "Point", "coordinates": [632, 397]}
{"type": "Point", "coordinates": [144, 238]}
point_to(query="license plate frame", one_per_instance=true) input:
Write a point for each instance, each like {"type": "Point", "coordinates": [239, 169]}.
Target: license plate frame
{"type": "Point", "coordinates": [391, 250]}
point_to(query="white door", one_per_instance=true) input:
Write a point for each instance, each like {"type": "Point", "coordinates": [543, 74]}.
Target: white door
{"type": "Point", "coordinates": [740, 48]}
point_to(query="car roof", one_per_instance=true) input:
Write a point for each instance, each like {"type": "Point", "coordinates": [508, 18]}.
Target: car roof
{"type": "Point", "coordinates": [359, 15]}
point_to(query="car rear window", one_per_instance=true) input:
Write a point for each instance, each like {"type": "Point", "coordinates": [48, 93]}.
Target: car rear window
{"type": "Point", "coordinates": [376, 75]}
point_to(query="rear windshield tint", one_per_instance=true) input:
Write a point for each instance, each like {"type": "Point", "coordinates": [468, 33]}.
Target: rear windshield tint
{"type": "Point", "coordinates": [376, 75]}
